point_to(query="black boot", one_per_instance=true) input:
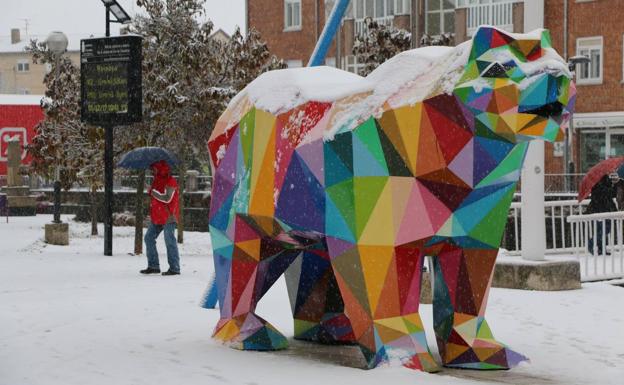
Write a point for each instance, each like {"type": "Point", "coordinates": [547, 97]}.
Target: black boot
{"type": "Point", "coordinates": [150, 270]}
{"type": "Point", "coordinates": [171, 272]}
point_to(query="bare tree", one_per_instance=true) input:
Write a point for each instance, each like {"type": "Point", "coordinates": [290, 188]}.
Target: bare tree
{"type": "Point", "coordinates": [61, 139]}
{"type": "Point", "coordinates": [189, 78]}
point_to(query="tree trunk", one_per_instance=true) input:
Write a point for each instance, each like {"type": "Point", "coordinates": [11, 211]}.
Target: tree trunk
{"type": "Point", "coordinates": [181, 185]}
{"type": "Point", "coordinates": [94, 210]}
{"type": "Point", "coordinates": [138, 214]}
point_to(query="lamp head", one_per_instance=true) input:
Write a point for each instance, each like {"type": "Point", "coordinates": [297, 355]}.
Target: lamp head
{"type": "Point", "coordinates": [578, 59]}
{"type": "Point", "coordinates": [57, 42]}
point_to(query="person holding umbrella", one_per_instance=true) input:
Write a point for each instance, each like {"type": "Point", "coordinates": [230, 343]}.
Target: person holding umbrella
{"type": "Point", "coordinates": [164, 213]}
{"type": "Point", "coordinates": [164, 205]}
{"type": "Point", "coordinates": [601, 201]}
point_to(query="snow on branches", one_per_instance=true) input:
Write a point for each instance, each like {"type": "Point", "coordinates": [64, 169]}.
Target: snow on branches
{"type": "Point", "coordinates": [381, 42]}
{"type": "Point", "coordinates": [189, 77]}
{"type": "Point", "coordinates": [378, 44]}
{"type": "Point", "coordinates": [61, 139]}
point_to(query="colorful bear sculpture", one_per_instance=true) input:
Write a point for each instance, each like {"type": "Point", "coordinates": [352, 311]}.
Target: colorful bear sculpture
{"type": "Point", "coordinates": [348, 193]}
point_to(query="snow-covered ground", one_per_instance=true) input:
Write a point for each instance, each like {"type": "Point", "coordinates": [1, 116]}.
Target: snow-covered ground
{"type": "Point", "coordinates": [69, 315]}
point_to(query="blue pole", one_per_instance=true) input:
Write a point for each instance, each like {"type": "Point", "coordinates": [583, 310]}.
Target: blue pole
{"type": "Point", "coordinates": [331, 27]}
{"type": "Point", "coordinates": [211, 299]}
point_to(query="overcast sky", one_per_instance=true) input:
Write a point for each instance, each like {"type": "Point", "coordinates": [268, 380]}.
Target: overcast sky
{"type": "Point", "coordinates": [86, 17]}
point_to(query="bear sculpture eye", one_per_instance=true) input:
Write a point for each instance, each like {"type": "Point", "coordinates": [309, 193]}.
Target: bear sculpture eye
{"type": "Point", "coordinates": [495, 70]}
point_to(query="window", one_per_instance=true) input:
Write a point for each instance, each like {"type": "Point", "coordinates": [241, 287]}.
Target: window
{"type": "Point", "coordinates": [440, 17]}
{"type": "Point", "coordinates": [292, 15]}
{"type": "Point", "coordinates": [590, 73]}
{"type": "Point", "coordinates": [294, 63]}
{"type": "Point", "coordinates": [468, 3]}
{"type": "Point", "coordinates": [402, 7]}
{"type": "Point", "coordinates": [23, 66]}
{"type": "Point", "coordinates": [380, 10]}
{"type": "Point", "coordinates": [593, 149]}
{"type": "Point", "coordinates": [598, 144]}
{"type": "Point", "coordinates": [352, 65]}
{"type": "Point", "coordinates": [377, 8]}
{"type": "Point", "coordinates": [348, 13]}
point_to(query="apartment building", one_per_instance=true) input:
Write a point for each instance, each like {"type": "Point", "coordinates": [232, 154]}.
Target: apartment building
{"type": "Point", "coordinates": [593, 28]}
{"type": "Point", "coordinates": [18, 74]}
{"type": "Point", "coordinates": [291, 27]}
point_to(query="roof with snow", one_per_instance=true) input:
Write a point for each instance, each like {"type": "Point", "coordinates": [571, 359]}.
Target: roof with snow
{"type": "Point", "coordinates": [7, 47]}
{"type": "Point", "coordinates": [20, 100]}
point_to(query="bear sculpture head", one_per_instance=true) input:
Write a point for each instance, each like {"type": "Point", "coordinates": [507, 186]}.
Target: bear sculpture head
{"type": "Point", "coordinates": [520, 89]}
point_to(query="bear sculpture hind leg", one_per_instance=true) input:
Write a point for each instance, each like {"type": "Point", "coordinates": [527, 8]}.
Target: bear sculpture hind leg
{"type": "Point", "coordinates": [317, 306]}
{"type": "Point", "coordinates": [380, 287]}
{"type": "Point", "coordinates": [462, 279]}
{"type": "Point", "coordinates": [257, 261]}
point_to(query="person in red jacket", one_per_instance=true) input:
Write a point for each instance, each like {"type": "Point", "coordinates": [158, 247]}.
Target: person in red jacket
{"type": "Point", "coordinates": [164, 214]}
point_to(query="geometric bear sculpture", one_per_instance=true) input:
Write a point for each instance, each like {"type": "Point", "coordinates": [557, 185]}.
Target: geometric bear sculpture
{"type": "Point", "coordinates": [346, 183]}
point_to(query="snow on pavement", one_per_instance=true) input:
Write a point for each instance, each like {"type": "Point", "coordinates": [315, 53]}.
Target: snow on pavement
{"type": "Point", "coordinates": [69, 315]}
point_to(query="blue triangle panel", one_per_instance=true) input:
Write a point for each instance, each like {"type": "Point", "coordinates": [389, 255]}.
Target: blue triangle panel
{"type": "Point", "coordinates": [299, 202]}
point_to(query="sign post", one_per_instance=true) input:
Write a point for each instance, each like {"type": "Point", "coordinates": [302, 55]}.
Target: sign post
{"type": "Point", "coordinates": [111, 95]}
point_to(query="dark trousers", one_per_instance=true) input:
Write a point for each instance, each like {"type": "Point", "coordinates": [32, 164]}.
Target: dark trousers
{"type": "Point", "coordinates": [598, 237]}
{"type": "Point", "coordinates": [170, 241]}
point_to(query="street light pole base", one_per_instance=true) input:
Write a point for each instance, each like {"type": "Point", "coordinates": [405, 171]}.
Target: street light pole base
{"type": "Point", "coordinates": [57, 234]}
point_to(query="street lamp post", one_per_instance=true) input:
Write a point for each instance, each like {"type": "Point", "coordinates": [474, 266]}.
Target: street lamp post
{"type": "Point", "coordinates": [572, 63]}
{"type": "Point", "coordinates": [57, 44]}
{"type": "Point", "coordinates": [121, 16]}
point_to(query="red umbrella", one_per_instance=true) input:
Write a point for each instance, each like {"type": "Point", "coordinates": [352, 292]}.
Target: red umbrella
{"type": "Point", "coordinates": [596, 173]}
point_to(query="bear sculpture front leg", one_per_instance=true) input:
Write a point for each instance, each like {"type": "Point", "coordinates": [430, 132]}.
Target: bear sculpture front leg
{"type": "Point", "coordinates": [462, 279]}
{"type": "Point", "coordinates": [380, 287]}
{"type": "Point", "coordinates": [257, 260]}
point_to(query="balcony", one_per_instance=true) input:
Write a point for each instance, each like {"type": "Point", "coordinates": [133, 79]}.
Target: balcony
{"type": "Point", "coordinates": [498, 13]}
{"type": "Point", "coordinates": [360, 24]}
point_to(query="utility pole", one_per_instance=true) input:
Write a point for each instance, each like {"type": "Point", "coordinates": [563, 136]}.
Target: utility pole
{"type": "Point", "coordinates": [414, 22]}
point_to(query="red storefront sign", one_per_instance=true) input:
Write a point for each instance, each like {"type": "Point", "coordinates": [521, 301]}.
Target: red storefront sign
{"type": "Point", "coordinates": [18, 117]}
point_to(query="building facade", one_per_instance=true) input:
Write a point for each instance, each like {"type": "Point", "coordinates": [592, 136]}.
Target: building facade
{"type": "Point", "coordinates": [595, 28]}
{"type": "Point", "coordinates": [291, 27]}
{"type": "Point", "coordinates": [18, 73]}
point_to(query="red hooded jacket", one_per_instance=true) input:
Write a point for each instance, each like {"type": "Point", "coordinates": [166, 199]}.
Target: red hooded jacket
{"type": "Point", "coordinates": [161, 211]}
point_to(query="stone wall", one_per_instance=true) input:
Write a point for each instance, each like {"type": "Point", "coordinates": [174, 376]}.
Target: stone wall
{"type": "Point", "coordinates": [78, 203]}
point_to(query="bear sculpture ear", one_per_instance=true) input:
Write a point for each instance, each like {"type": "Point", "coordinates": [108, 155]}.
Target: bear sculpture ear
{"type": "Point", "coordinates": [486, 38]}
{"type": "Point", "coordinates": [529, 49]}
{"type": "Point", "coordinates": [533, 49]}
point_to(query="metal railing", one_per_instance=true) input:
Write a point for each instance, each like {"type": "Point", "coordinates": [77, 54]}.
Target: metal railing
{"type": "Point", "coordinates": [496, 14]}
{"type": "Point", "coordinates": [562, 183]}
{"type": "Point", "coordinates": [598, 243]}
{"type": "Point", "coordinates": [361, 29]}
{"type": "Point", "coordinates": [559, 232]}
{"type": "Point", "coordinates": [203, 183]}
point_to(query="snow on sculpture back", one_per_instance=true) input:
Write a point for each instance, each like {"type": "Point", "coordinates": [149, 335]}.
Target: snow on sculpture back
{"type": "Point", "coordinates": [351, 181]}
